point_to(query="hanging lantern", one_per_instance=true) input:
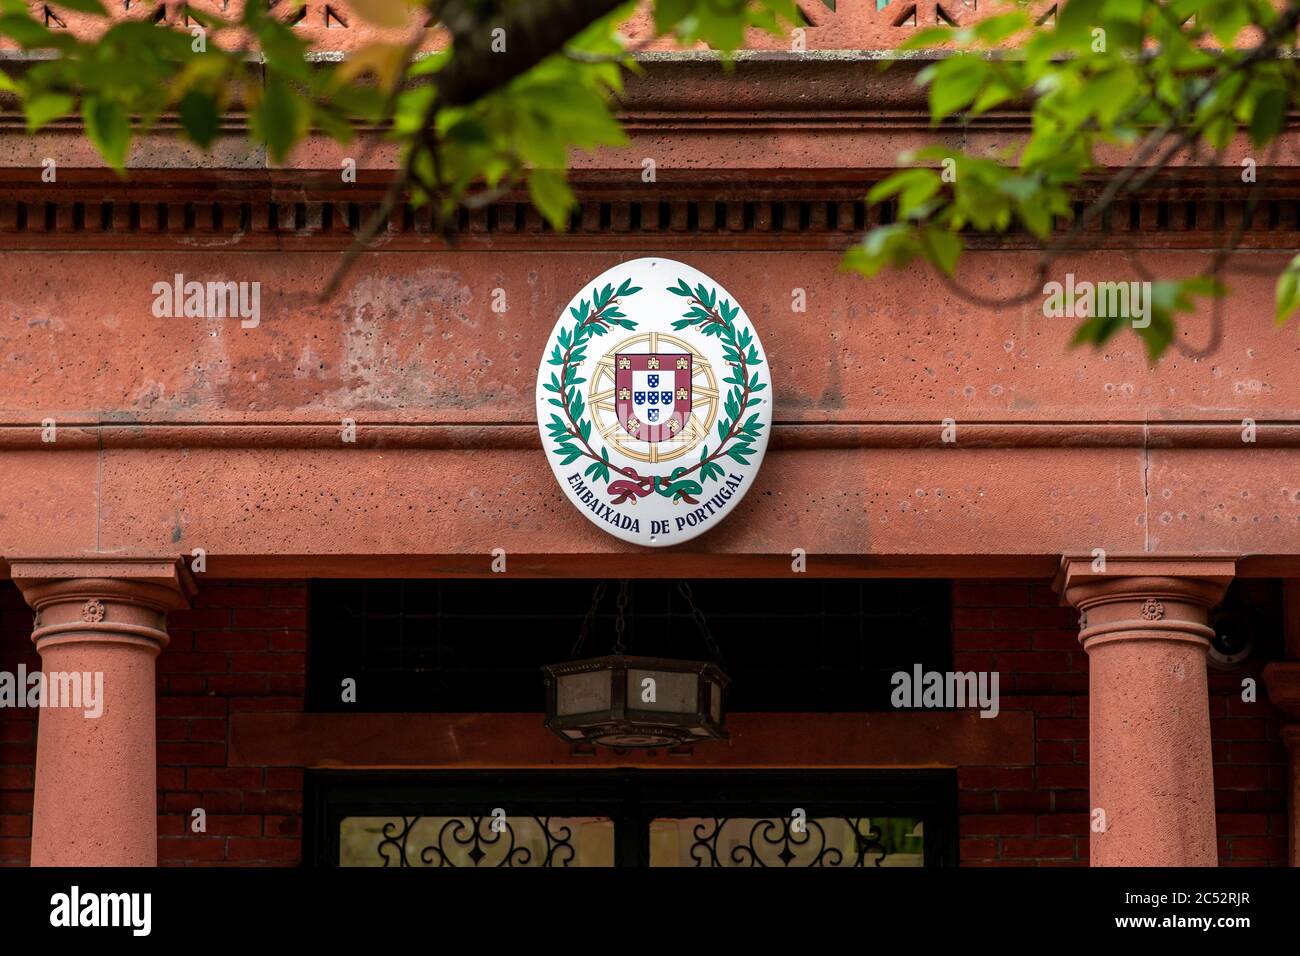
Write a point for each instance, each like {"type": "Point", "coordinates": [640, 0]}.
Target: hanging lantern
{"type": "Point", "coordinates": [627, 702]}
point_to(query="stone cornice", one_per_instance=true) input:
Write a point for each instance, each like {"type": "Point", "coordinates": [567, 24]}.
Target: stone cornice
{"type": "Point", "coordinates": [776, 154]}
{"type": "Point", "coordinates": [772, 216]}
{"type": "Point", "coordinates": [677, 101]}
{"type": "Point", "coordinates": [382, 431]}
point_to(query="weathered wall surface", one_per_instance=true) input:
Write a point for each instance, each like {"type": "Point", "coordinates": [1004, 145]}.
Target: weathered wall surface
{"type": "Point", "coordinates": [413, 337]}
{"type": "Point", "coordinates": [176, 433]}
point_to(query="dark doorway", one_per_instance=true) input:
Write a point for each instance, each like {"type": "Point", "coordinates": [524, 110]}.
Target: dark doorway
{"type": "Point", "coordinates": [478, 645]}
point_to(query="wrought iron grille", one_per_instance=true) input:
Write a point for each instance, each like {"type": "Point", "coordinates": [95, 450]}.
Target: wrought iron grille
{"type": "Point", "coordinates": [478, 646]}
{"type": "Point", "coordinates": [476, 841]}
{"type": "Point", "coordinates": [787, 842]}
{"type": "Point", "coordinates": [767, 819]}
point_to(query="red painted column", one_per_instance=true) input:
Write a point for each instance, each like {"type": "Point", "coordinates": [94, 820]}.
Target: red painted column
{"type": "Point", "coordinates": [98, 627]}
{"type": "Point", "coordinates": [1151, 773]}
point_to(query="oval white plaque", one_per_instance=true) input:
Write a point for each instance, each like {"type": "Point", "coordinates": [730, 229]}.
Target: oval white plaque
{"type": "Point", "coordinates": [654, 402]}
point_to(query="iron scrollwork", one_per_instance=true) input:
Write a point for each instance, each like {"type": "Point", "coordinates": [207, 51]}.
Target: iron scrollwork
{"type": "Point", "coordinates": [395, 841]}
{"type": "Point", "coordinates": [774, 841]}
{"type": "Point", "coordinates": [474, 838]}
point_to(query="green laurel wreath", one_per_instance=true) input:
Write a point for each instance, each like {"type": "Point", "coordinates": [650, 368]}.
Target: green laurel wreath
{"type": "Point", "coordinates": [572, 433]}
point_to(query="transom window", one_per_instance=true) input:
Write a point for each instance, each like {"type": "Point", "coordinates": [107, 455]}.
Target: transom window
{"type": "Point", "coordinates": [844, 819]}
{"type": "Point", "coordinates": [479, 645]}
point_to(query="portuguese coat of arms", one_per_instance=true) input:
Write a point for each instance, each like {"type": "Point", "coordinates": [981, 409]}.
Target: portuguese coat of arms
{"type": "Point", "coordinates": [651, 404]}
{"type": "Point", "coordinates": [654, 401]}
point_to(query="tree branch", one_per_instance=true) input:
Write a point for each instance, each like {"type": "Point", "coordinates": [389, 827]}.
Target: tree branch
{"type": "Point", "coordinates": [533, 31]}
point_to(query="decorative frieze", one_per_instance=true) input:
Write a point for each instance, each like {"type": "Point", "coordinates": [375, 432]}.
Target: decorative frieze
{"type": "Point", "coordinates": [827, 220]}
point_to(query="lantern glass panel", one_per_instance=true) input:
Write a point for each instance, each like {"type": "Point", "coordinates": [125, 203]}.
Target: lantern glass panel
{"type": "Point", "coordinates": [583, 693]}
{"type": "Point", "coordinates": [675, 692]}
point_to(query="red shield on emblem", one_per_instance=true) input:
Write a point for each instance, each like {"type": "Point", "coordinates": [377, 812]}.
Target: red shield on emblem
{"type": "Point", "coordinates": [653, 393]}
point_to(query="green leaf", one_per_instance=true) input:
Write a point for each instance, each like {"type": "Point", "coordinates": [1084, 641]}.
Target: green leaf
{"type": "Point", "coordinates": [943, 248]}
{"type": "Point", "coordinates": [1098, 329]}
{"type": "Point", "coordinates": [427, 63]}
{"type": "Point", "coordinates": [553, 198]}
{"type": "Point", "coordinates": [280, 119]}
{"type": "Point", "coordinates": [1268, 116]}
{"type": "Point", "coordinates": [1219, 131]}
{"type": "Point", "coordinates": [1075, 20]}
{"type": "Point", "coordinates": [669, 13]}
{"type": "Point", "coordinates": [955, 84]}
{"type": "Point", "coordinates": [42, 108]}
{"type": "Point", "coordinates": [108, 125]}
{"type": "Point", "coordinates": [894, 244]}
{"type": "Point", "coordinates": [1000, 26]}
{"type": "Point", "coordinates": [283, 48]}
{"type": "Point", "coordinates": [199, 117]}
{"type": "Point", "coordinates": [1287, 293]}
{"type": "Point", "coordinates": [912, 186]}
{"type": "Point", "coordinates": [27, 33]}
{"type": "Point", "coordinates": [333, 125]}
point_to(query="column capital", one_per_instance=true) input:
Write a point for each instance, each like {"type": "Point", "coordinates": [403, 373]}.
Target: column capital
{"type": "Point", "coordinates": [102, 599]}
{"type": "Point", "coordinates": [1144, 597]}
{"type": "Point", "coordinates": [1077, 571]}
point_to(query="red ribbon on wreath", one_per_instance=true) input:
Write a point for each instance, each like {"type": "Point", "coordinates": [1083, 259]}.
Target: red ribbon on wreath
{"type": "Point", "coordinates": [632, 487]}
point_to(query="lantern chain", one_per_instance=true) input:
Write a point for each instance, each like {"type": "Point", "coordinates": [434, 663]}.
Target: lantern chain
{"type": "Point", "coordinates": [618, 621]}
{"type": "Point", "coordinates": [700, 622]}
{"type": "Point", "coordinates": [597, 595]}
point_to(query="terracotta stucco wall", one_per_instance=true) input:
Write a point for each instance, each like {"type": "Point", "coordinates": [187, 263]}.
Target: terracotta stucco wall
{"type": "Point", "coordinates": [242, 649]}
{"type": "Point", "coordinates": [1056, 451]}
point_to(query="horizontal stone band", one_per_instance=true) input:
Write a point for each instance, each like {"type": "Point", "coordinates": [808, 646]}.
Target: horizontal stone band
{"type": "Point", "coordinates": [75, 435]}
{"type": "Point", "coordinates": [1138, 629]}
{"type": "Point", "coordinates": [102, 632]}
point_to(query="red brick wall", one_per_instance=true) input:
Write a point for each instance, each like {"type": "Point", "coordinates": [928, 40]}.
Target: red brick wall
{"type": "Point", "coordinates": [17, 732]}
{"type": "Point", "coordinates": [243, 648]}
{"type": "Point", "coordinates": [1038, 816]}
